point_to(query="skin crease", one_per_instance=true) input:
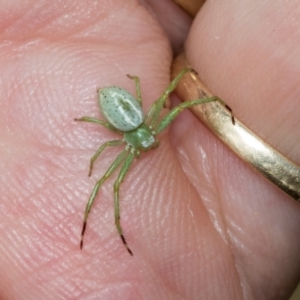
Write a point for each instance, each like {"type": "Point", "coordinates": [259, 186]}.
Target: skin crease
{"type": "Point", "coordinates": [200, 223]}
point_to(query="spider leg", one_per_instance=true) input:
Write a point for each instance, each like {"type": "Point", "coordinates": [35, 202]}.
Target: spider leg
{"type": "Point", "coordinates": [158, 104]}
{"type": "Point", "coordinates": [119, 180]}
{"type": "Point", "coordinates": [97, 121]}
{"type": "Point", "coordinates": [98, 152]}
{"type": "Point", "coordinates": [170, 117]}
{"type": "Point", "coordinates": [137, 87]}
{"type": "Point", "coordinates": [150, 113]}
{"type": "Point", "coordinates": [98, 184]}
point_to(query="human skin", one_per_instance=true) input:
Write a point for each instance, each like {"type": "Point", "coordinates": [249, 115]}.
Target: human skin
{"type": "Point", "coordinates": [201, 223]}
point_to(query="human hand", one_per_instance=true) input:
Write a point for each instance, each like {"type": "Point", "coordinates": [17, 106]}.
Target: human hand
{"type": "Point", "coordinates": [200, 223]}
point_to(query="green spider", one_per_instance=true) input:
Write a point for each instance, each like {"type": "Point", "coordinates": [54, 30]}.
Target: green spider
{"type": "Point", "coordinates": [125, 116]}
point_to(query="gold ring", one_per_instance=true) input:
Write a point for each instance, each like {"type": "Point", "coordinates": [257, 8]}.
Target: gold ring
{"type": "Point", "coordinates": [191, 7]}
{"type": "Point", "coordinates": [250, 148]}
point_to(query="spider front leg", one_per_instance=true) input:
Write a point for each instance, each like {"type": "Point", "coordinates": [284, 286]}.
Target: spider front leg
{"type": "Point", "coordinates": [170, 117]}
{"type": "Point", "coordinates": [119, 180]}
{"type": "Point", "coordinates": [158, 104]}
{"type": "Point", "coordinates": [121, 157]}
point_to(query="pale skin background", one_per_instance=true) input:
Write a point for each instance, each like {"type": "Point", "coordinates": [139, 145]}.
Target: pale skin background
{"type": "Point", "coordinates": [200, 223]}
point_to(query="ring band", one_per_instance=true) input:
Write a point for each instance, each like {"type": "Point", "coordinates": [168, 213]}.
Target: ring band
{"type": "Point", "coordinates": [191, 7]}
{"type": "Point", "coordinates": [250, 148]}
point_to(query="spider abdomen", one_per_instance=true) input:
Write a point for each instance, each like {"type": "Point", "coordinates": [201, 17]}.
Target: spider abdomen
{"type": "Point", "coordinates": [120, 108]}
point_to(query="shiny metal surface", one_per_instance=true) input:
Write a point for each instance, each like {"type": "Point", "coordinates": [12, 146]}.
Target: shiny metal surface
{"type": "Point", "coordinates": [270, 163]}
